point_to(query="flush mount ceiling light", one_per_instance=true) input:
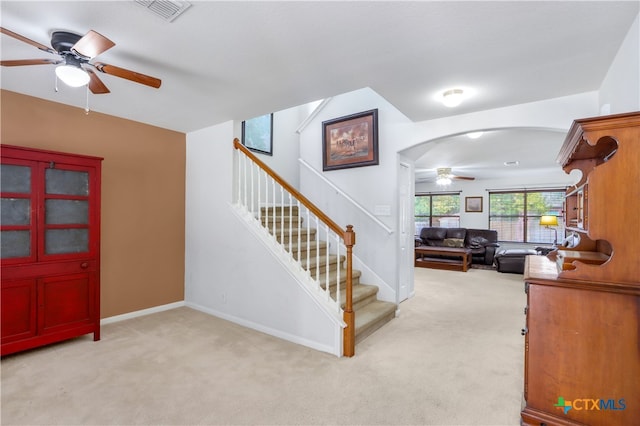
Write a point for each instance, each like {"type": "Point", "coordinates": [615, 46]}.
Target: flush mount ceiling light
{"type": "Point", "coordinates": [453, 97]}
{"type": "Point", "coordinates": [72, 76]}
{"type": "Point", "coordinates": [474, 135]}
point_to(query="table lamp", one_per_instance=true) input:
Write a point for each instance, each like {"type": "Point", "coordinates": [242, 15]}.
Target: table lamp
{"type": "Point", "coordinates": [548, 221]}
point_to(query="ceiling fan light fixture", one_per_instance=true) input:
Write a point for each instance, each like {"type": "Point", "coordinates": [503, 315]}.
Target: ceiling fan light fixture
{"type": "Point", "coordinates": [452, 98]}
{"type": "Point", "coordinates": [443, 181]}
{"type": "Point", "coordinates": [72, 76]}
{"type": "Point", "coordinates": [444, 176]}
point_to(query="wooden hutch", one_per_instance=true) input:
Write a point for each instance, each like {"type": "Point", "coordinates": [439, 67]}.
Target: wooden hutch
{"type": "Point", "coordinates": [49, 247]}
{"type": "Point", "coordinates": [582, 338]}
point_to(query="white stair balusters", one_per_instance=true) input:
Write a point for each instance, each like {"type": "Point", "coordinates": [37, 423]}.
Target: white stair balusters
{"type": "Point", "coordinates": [255, 182]}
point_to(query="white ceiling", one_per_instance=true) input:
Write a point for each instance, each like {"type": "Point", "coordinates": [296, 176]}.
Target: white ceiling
{"type": "Point", "coordinates": [491, 155]}
{"type": "Point", "coordinates": [234, 60]}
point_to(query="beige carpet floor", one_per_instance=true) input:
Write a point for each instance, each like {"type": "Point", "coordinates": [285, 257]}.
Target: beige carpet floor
{"type": "Point", "coordinates": [454, 356]}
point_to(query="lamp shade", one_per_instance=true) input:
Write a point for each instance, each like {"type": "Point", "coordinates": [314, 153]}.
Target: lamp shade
{"type": "Point", "coordinates": [549, 220]}
{"type": "Point", "coordinates": [72, 76]}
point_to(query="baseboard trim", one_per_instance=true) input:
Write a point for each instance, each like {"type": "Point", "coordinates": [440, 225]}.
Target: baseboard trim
{"type": "Point", "coordinates": [271, 331]}
{"type": "Point", "coordinates": [142, 312]}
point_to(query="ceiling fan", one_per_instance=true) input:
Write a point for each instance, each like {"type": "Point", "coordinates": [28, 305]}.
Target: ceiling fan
{"type": "Point", "coordinates": [76, 52]}
{"type": "Point", "coordinates": [444, 176]}
{"type": "Point", "coordinates": [446, 172]}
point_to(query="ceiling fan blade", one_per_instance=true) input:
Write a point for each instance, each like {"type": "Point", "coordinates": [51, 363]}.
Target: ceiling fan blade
{"type": "Point", "coordinates": [19, 62]}
{"type": "Point", "coordinates": [27, 40]}
{"type": "Point", "coordinates": [129, 75]}
{"type": "Point", "coordinates": [462, 177]}
{"type": "Point", "coordinates": [96, 85]}
{"type": "Point", "coordinates": [92, 44]}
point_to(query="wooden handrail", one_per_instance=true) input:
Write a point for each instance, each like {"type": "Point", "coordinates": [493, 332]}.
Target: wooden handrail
{"type": "Point", "coordinates": [315, 210]}
{"type": "Point", "coordinates": [348, 236]}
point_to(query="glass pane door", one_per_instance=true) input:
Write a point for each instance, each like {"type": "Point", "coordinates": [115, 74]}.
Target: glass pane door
{"type": "Point", "coordinates": [66, 210]}
{"type": "Point", "coordinates": [17, 210]}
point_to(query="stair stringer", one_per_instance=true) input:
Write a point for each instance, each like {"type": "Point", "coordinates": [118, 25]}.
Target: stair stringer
{"type": "Point", "coordinates": [320, 298]}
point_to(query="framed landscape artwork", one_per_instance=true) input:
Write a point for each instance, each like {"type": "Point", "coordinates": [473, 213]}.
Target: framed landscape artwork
{"type": "Point", "coordinates": [473, 204]}
{"type": "Point", "coordinates": [257, 134]}
{"type": "Point", "coordinates": [350, 141]}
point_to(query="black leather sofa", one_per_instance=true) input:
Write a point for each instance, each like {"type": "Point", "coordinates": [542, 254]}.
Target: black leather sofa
{"type": "Point", "coordinates": [482, 242]}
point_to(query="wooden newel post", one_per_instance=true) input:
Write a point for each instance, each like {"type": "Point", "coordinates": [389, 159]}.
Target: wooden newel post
{"type": "Point", "coordinates": [349, 337]}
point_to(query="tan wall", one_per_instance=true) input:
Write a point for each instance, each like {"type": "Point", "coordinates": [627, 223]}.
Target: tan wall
{"type": "Point", "coordinates": [143, 194]}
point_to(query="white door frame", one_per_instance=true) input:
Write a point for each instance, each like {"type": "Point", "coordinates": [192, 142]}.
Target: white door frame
{"type": "Point", "coordinates": [405, 230]}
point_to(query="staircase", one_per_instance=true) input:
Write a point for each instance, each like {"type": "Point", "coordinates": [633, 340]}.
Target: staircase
{"type": "Point", "coordinates": [320, 250]}
{"type": "Point", "coordinates": [302, 243]}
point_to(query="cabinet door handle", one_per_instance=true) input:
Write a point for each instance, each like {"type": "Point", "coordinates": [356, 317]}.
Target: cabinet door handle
{"type": "Point", "coordinates": [84, 265]}
{"type": "Point", "coordinates": [524, 331]}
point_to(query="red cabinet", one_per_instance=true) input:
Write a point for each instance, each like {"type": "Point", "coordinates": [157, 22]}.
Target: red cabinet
{"type": "Point", "coordinates": [49, 247]}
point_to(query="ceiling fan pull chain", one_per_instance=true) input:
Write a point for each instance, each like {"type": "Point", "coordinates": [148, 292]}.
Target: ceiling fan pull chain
{"type": "Point", "coordinates": [86, 106]}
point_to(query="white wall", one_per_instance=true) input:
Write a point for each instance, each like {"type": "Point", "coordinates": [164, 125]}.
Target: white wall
{"type": "Point", "coordinates": [620, 90]}
{"type": "Point", "coordinates": [374, 188]}
{"type": "Point", "coordinates": [229, 272]}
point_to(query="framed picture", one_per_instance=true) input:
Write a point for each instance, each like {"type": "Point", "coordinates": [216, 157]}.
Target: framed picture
{"type": "Point", "coordinates": [257, 134]}
{"type": "Point", "coordinates": [473, 204]}
{"type": "Point", "coordinates": [350, 141]}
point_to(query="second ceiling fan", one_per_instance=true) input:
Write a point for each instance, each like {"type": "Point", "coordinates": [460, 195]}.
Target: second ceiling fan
{"type": "Point", "coordinates": [75, 55]}
{"type": "Point", "coordinates": [445, 176]}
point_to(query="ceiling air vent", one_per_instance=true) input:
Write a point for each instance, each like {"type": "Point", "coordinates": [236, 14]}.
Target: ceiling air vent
{"type": "Point", "coordinates": [165, 9]}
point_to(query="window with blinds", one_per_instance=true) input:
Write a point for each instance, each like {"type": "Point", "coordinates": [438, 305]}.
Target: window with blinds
{"type": "Point", "coordinates": [516, 215]}
{"type": "Point", "coordinates": [437, 210]}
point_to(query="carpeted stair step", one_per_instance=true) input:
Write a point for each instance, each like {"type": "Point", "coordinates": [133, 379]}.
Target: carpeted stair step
{"type": "Point", "coordinates": [284, 237]}
{"type": "Point", "coordinates": [332, 264]}
{"type": "Point", "coordinates": [373, 316]}
{"type": "Point", "coordinates": [280, 221]}
{"type": "Point", "coordinates": [314, 247]}
{"type": "Point", "coordinates": [355, 278]}
{"type": "Point", "coordinates": [363, 294]}
{"type": "Point", "coordinates": [279, 211]}
{"type": "Point", "coordinates": [285, 225]}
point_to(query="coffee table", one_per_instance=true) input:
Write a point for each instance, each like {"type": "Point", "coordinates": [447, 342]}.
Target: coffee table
{"type": "Point", "coordinates": [423, 258]}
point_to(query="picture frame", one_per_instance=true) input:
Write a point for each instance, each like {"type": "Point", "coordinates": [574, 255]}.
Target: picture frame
{"type": "Point", "coordinates": [473, 204]}
{"type": "Point", "coordinates": [257, 134]}
{"type": "Point", "coordinates": [350, 141]}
